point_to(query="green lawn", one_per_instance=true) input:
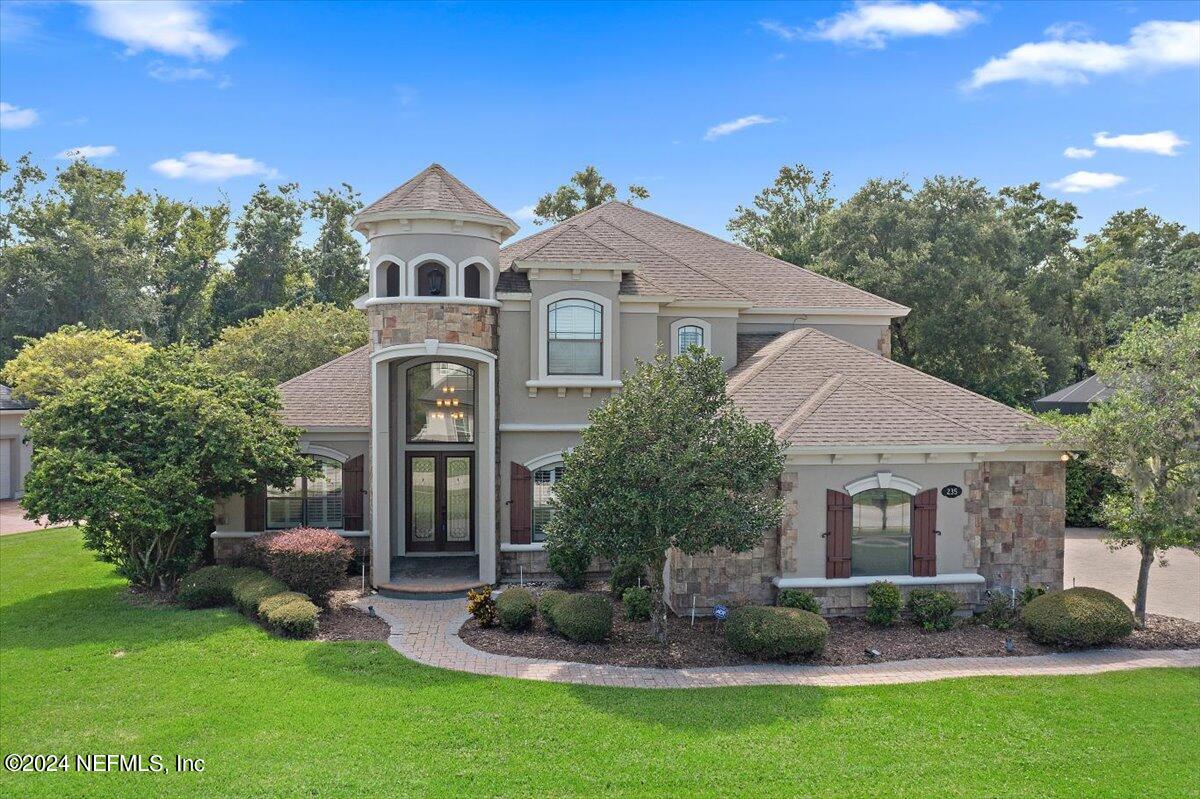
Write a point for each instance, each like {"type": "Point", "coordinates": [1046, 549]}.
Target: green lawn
{"type": "Point", "coordinates": [83, 669]}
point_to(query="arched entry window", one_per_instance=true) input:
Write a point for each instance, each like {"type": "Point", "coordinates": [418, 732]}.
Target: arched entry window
{"type": "Point", "coordinates": [881, 533]}
{"type": "Point", "coordinates": [310, 501]}
{"type": "Point", "coordinates": [472, 281]}
{"type": "Point", "coordinates": [431, 280]}
{"type": "Point", "coordinates": [575, 333]}
{"type": "Point", "coordinates": [441, 403]}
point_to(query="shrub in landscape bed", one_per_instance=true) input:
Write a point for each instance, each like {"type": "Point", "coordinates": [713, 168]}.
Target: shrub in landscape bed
{"type": "Point", "coordinates": [999, 614]}
{"type": "Point", "coordinates": [769, 633]}
{"type": "Point", "coordinates": [584, 618]}
{"type": "Point", "coordinates": [932, 610]}
{"type": "Point", "coordinates": [481, 605]}
{"type": "Point", "coordinates": [309, 560]}
{"type": "Point", "coordinates": [252, 586]}
{"type": "Point", "coordinates": [290, 613]}
{"type": "Point", "coordinates": [637, 603]}
{"type": "Point", "coordinates": [884, 602]}
{"type": "Point", "coordinates": [800, 600]}
{"type": "Point", "coordinates": [253, 553]}
{"type": "Point", "coordinates": [276, 601]}
{"type": "Point", "coordinates": [568, 561]}
{"type": "Point", "coordinates": [515, 608]}
{"type": "Point", "coordinates": [626, 574]}
{"type": "Point", "coordinates": [1077, 617]}
{"type": "Point", "coordinates": [547, 604]}
{"type": "Point", "coordinates": [208, 587]}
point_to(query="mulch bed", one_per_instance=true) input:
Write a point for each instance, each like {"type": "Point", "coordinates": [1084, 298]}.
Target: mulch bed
{"type": "Point", "coordinates": [849, 639]}
{"type": "Point", "coordinates": [340, 622]}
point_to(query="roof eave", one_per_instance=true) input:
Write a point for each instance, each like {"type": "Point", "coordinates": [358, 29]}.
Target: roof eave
{"type": "Point", "coordinates": [368, 216]}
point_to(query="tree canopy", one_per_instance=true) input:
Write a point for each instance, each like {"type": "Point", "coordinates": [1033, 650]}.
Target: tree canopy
{"type": "Point", "coordinates": [45, 367]}
{"type": "Point", "coordinates": [586, 189]}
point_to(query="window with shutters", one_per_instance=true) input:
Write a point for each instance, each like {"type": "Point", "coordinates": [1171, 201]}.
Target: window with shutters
{"type": "Point", "coordinates": [544, 480]}
{"type": "Point", "coordinates": [315, 501]}
{"type": "Point", "coordinates": [880, 533]}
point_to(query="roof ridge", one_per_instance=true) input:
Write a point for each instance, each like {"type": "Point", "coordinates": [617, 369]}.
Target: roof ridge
{"type": "Point", "coordinates": [809, 406]}
{"type": "Point", "coordinates": [777, 347]}
{"type": "Point", "coordinates": [323, 366]}
{"type": "Point", "coordinates": [756, 252]}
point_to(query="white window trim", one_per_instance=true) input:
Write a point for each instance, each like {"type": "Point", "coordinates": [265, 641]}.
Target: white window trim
{"type": "Point", "coordinates": [486, 277]}
{"type": "Point", "coordinates": [452, 274]}
{"type": "Point", "coordinates": [690, 322]}
{"type": "Point", "coordinates": [606, 339]}
{"type": "Point", "coordinates": [317, 449]}
{"type": "Point", "coordinates": [883, 480]}
{"type": "Point", "coordinates": [378, 277]}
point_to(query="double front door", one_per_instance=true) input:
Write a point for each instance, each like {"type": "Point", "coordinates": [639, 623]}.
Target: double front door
{"type": "Point", "coordinates": [440, 502]}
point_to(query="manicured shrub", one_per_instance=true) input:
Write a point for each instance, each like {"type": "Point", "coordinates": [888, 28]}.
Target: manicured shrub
{"type": "Point", "coordinates": [252, 586]}
{"type": "Point", "coordinates": [515, 608]}
{"type": "Point", "coordinates": [932, 610]}
{"type": "Point", "coordinates": [769, 633]}
{"type": "Point", "coordinates": [884, 602]}
{"type": "Point", "coordinates": [628, 573]}
{"type": "Point", "coordinates": [568, 562]}
{"type": "Point", "coordinates": [999, 614]}
{"type": "Point", "coordinates": [1077, 617]}
{"type": "Point", "coordinates": [584, 618]}
{"type": "Point", "coordinates": [1030, 593]}
{"type": "Point", "coordinates": [309, 560]}
{"type": "Point", "coordinates": [253, 553]}
{"type": "Point", "coordinates": [800, 600]}
{"type": "Point", "coordinates": [547, 603]}
{"type": "Point", "coordinates": [637, 603]}
{"type": "Point", "coordinates": [290, 613]}
{"type": "Point", "coordinates": [481, 605]}
{"type": "Point", "coordinates": [208, 587]}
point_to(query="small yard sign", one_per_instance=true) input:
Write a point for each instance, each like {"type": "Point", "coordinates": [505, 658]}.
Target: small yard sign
{"type": "Point", "coordinates": [721, 612]}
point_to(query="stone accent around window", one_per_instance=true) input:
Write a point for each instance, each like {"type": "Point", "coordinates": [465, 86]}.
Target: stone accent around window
{"type": "Point", "coordinates": [449, 323]}
{"type": "Point", "coordinates": [1017, 512]}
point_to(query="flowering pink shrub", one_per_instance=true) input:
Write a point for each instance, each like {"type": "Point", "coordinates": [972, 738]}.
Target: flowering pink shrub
{"type": "Point", "coordinates": [309, 560]}
{"type": "Point", "coordinates": [254, 551]}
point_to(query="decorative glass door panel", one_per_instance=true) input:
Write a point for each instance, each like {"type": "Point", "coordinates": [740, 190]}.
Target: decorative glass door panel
{"type": "Point", "coordinates": [440, 501]}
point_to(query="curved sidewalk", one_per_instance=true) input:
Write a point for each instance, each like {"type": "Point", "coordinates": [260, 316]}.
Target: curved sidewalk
{"type": "Point", "coordinates": [427, 631]}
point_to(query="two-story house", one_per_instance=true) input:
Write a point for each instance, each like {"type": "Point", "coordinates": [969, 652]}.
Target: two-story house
{"type": "Point", "coordinates": [442, 439]}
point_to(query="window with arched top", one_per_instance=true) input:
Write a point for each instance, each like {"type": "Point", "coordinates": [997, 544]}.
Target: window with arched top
{"type": "Point", "coordinates": [391, 280]}
{"type": "Point", "coordinates": [441, 403]}
{"type": "Point", "coordinates": [472, 281]}
{"type": "Point", "coordinates": [431, 280]}
{"type": "Point", "coordinates": [881, 533]}
{"type": "Point", "coordinates": [689, 336]}
{"type": "Point", "coordinates": [575, 337]}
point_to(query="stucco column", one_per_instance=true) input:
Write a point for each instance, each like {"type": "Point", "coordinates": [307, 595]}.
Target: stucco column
{"type": "Point", "coordinates": [381, 472]}
{"type": "Point", "coordinates": [485, 519]}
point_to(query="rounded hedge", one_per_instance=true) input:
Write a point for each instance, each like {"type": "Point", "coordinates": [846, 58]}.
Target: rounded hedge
{"type": "Point", "coordinates": [626, 574]}
{"type": "Point", "coordinates": [584, 618]}
{"type": "Point", "coordinates": [770, 633]}
{"type": "Point", "coordinates": [290, 613]}
{"type": "Point", "coordinates": [931, 609]}
{"type": "Point", "coordinates": [209, 587]}
{"type": "Point", "coordinates": [311, 560]}
{"type": "Point", "coordinates": [253, 586]}
{"type": "Point", "coordinates": [548, 602]}
{"type": "Point", "coordinates": [637, 603]}
{"type": "Point", "coordinates": [515, 608]}
{"type": "Point", "coordinates": [1077, 617]}
{"type": "Point", "coordinates": [884, 602]}
{"type": "Point", "coordinates": [276, 601]}
{"type": "Point", "coordinates": [801, 600]}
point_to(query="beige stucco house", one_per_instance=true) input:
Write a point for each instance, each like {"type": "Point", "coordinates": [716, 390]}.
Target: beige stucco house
{"type": "Point", "coordinates": [444, 436]}
{"type": "Point", "coordinates": [16, 453]}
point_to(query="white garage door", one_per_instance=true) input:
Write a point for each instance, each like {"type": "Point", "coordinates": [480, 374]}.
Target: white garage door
{"type": "Point", "coordinates": [7, 467]}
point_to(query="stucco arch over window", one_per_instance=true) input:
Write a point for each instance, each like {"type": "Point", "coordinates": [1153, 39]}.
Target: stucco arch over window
{"type": "Point", "coordinates": [387, 277]}
{"type": "Point", "coordinates": [883, 480]}
{"type": "Point", "coordinates": [688, 332]}
{"type": "Point", "coordinates": [475, 278]}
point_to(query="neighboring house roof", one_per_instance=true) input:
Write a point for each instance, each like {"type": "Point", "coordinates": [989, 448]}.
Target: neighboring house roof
{"type": "Point", "coordinates": [819, 391]}
{"type": "Point", "coordinates": [1075, 398]}
{"type": "Point", "coordinates": [688, 264]}
{"type": "Point", "coordinates": [7, 403]}
{"type": "Point", "coordinates": [335, 394]}
{"type": "Point", "coordinates": [434, 189]}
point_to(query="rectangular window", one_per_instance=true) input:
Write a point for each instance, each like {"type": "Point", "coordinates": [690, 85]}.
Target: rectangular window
{"type": "Point", "coordinates": [880, 535]}
{"type": "Point", "coordinates": [543, 490]}
{"type": "Point", "coordinates": [310, 501]}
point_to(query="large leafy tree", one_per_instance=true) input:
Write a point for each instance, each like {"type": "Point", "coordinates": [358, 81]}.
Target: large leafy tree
{"type": "Point", "coordinates": [586, 189]}
{"type": "Point", "coordinates": [1148, 434]}
{"type": "Point", "coordinates": [669, 462]}
{"type": "Point", "coordinates": [335, 261]}
{"type": "Point", "coordinates": [787, 217]}
{"type": "Point", "coordinates": [137, 455]}
{"type": "Point", "coordinates": [45, 367]}
{"type": "Point", "coordinates": [184, 242]}
{"type": "Point", "coordinates": [285, 342]}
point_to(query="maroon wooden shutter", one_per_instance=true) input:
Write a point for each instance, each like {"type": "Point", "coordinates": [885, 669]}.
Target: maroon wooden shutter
{"type": "Point", "coordinates": [924, 533]}
{"type": "Point", "coordinates": [520, 505]}
{"type": "Point", "coordinates": [837, 533]}
{"type": "Point", "coordinates": [353, 493]}
{"type": "Point", "coordinates": [256, 510]}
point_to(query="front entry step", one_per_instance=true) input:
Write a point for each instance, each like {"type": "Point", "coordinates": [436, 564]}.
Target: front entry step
{"type": "Point", "coordinates": [445, 576]}
{"type": "Point", "coordinates": [428, 590]}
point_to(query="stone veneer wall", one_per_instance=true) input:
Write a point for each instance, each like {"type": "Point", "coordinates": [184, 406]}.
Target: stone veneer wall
{"type": "Point", "coordinates": [1018, 515]}
{"type": "Point", "coordinates": [450, 323]}
{"type": "Point", "coordinates": [533, 563]}
{"type": "Point", "coordinates": [723, 577]}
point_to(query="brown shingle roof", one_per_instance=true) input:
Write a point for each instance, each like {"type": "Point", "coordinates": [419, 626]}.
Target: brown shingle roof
{"type": "Point", "coordinates": [335, 394]}
{"type": "Point", "coordinates": [571, 243]}
{"type": "Point", "coordinates": [435, 189]}
{"type": "Point", "coordinates": [819, 391]}
{"type": "Point", "coordinates": [688, 264]}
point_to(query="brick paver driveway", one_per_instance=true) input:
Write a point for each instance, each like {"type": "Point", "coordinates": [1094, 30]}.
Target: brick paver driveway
{"type": "Point", "coordinates": [12, 519]}
{"type": "Point", "coordinates": [1174, 588]}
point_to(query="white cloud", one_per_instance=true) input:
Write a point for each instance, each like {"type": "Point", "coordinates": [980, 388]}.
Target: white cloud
{"type": "Point", "coordinates": [871, 24]}
{"type": "Point", "coordinates": [785, 32]}
{"type": "Point", "coordinates": [169, 74]}
{"type": "Point", "coordinates": [1083, 182]}
{"type": "Point", "coordinates": [1163, 142]}
{"type": "Point", "coordinates": [1068, 30]}
{"type": "Point", "coordinates": [174, 27]}
{"type": "Point", "coordinates": [92, 151]}
{"type": "Point", "coordinates": [734, 125]}
{"type": "Point", "coordinates": [525, 213]}
{"type": "Point", "coordinates": [1078, 152]}
{"type": "Point", "coordinates": [14, 118]}
{"type": "Point", "coordinates": [206, 166]}
{"type": "Point", "coordinates": [1152, 46]}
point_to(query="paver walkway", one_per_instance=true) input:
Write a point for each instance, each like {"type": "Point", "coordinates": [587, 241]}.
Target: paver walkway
{"type": "Point", "coordinates": [427, 631]}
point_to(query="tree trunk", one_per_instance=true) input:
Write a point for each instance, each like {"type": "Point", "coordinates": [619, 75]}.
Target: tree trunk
{"type": "Point", "coordinates": [658, 613]}
{"type": "Point", "coordinates": [1143, 584]}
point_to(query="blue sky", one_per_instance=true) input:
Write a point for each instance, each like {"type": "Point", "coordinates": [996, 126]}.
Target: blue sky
{"type": "Point", "coordinates": [700, 102]}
